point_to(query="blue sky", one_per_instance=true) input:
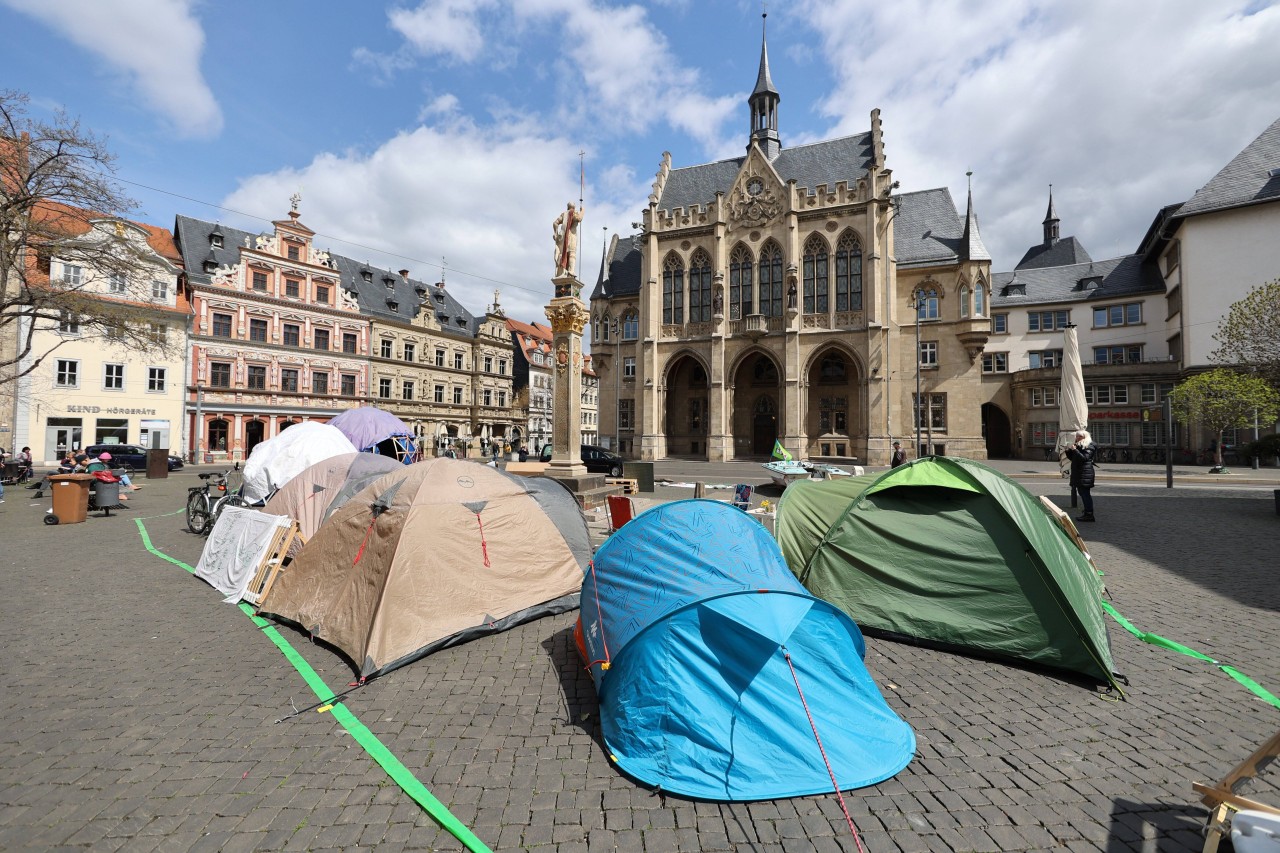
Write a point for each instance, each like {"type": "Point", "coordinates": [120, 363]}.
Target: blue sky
{"type": "Point", "coordinates": [417, 131]}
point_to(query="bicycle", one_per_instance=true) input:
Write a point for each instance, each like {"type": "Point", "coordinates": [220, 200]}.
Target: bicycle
{"type": "Point", "coordinates": [203, 507]}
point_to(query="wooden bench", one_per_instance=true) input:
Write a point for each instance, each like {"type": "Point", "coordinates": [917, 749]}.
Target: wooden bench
{"type": "Point", "coordinates": [526, 469]}
{"type": "Point", "coordinates": [629, 486]}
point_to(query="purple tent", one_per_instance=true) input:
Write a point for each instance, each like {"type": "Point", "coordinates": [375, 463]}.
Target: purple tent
{"type": "Point", "coordinates": [373, 430]}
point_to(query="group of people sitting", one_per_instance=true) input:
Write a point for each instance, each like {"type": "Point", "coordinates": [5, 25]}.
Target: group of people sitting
{"type": "Point", "coordinates": [81, 463]}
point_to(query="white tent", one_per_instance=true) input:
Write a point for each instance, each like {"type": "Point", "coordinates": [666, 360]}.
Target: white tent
{"type": "Point", "coordinates": [277, 461]}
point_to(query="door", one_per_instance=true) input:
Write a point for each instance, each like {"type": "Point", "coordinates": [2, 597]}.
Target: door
{"type": "Point", "coordinates": [62, 439]}
{"type": "Point", "coordinates": [764, 427]}
{"type": "Point", "coordinates": [253, 434]}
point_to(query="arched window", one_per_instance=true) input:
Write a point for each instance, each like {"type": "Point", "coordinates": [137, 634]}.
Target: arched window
{"type": "Point", "coordinates": [926, 304]}
{"type": "Point", "coordinates": [815, 276]}
{"type": "Point", "coordinates": [964, 300]}
{"type": "Point", "coordinates": [833, 370]}
{"type": "Point", "coordinates": [630, 326]}
{"type": "Point", "coordinates": [848, 273]}
{"type": "Point", "coordinates": [699, 288]}
{"type": "Point", "coordinates": [740, 279]}
{"type": "Point", "coordinates": [673, 290]}
{"type": "Point", "coordinates": [217, 434]}
{"type": "Point", "coordinates": [595, 328]}
{"type": "Point", "coordinates": [764, 371]}
{"type": "Point", "coordinates": [980, 299]}
{"type": "Point", "coordinates": [604, 328]}
{"type": "Point", "coordinates": [771, 284]}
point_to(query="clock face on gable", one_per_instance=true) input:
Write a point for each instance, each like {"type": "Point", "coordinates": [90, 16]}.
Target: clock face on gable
{"type": "Point", "coordinates": [755, 186]}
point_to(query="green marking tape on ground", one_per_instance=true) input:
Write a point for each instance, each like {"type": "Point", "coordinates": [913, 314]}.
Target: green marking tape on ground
{"type": "Point", "coordinates": [375, 748]}
{"type": "Point", "coordinates": [1156, 640]}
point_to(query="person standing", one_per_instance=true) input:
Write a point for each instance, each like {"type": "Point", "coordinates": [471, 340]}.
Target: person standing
{"type": "Point", "coordinates": [899, 455]}
{"type": "Point", "coordinates": [1081, 454]}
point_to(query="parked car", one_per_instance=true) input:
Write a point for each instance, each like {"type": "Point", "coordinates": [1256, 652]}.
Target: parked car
{"type": "Point", "coordinates": [597, 459]}
{"type": "Point", "coordinates": [130, 456]}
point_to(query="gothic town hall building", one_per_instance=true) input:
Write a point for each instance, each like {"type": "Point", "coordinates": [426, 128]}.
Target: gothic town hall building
{"type": "Point", "coordinates": [787, 295]}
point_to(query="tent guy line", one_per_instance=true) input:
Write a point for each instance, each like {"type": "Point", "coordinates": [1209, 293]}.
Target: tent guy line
{"type": "Point", "coordinates": [373, 747]}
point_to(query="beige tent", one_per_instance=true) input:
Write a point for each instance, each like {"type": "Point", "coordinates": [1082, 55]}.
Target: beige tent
{"type": "Point", "coordinates": [435, 554]}
{"type": "Point", "coordinates": [320, 490]}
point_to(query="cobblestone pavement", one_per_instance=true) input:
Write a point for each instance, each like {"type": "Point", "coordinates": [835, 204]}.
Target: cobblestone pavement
{"type": "Point", "coordinates": [138, 713]}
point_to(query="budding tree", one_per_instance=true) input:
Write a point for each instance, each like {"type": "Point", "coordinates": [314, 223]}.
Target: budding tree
{"type": "Point", "coordinates": [1249, 335]}
{"type": "Point", "coordinates": [1224, 399]}
{"type": "Point", "coordinates": [61, 210]}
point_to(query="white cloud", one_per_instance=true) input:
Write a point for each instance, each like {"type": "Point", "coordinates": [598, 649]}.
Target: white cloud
{"type": "Point", "coordinates": [447, 28]}
{"type": "Point", "coordinates": [1123, 107]}
{"type": "Point", "coordinates": [156, 43]}
{"type": "Point", "coordinates": [483, 198]}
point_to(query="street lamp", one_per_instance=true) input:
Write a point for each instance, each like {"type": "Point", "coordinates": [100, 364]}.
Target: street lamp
{"type": "Point", "coordinates": [915, 303]}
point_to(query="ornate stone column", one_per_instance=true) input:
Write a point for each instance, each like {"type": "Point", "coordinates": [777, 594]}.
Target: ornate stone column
{"type": "Point", "coordinates": [568, 315]}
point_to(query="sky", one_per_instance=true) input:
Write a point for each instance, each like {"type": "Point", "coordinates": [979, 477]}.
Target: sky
{"type": "Point", "coordinates": [448, 134]}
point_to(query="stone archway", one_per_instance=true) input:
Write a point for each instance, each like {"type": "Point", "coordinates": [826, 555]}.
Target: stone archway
{"type": "Point", "coordinates": [833, 406]}
{"type": "Point", "coordinates": [686, 423]}
{"type": "Point", "coordinates": [997, 432]}
{"type": "Point", "coordinates": [757, 408]}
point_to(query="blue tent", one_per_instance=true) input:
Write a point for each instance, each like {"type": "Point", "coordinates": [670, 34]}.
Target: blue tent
{"type": "Point", "coordinates": [692, 624]}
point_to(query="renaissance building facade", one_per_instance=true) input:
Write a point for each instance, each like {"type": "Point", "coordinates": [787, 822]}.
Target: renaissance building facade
{"type": "Point", "coordinates": [789, 295]}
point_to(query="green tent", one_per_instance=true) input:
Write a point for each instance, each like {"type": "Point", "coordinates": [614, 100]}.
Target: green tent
{"type": "Point", "coordinates": [949, 552]}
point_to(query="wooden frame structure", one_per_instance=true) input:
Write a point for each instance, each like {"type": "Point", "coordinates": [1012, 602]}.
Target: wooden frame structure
{"type": "Point", "coordinates": [272, 563]}
{"type": "Point", "coordinates": [1223, 800]}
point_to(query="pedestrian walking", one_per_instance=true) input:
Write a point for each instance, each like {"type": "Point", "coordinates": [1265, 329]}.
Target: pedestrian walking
{"type": "Point", "coordinates": [1081, 455]}
{"type": "Point", "coordinates": [899, 455]}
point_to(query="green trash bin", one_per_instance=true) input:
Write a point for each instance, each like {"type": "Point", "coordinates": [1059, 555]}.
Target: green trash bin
{"type": "Point", "coordinates": [641, 472]}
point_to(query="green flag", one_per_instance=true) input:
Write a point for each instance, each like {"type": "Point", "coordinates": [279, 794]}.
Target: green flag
{"type": "Point", "coordinates": [780, 452]}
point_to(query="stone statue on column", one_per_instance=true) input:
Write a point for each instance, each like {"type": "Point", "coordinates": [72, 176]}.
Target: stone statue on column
{"type": "Point", "coordinates": [565, 231]}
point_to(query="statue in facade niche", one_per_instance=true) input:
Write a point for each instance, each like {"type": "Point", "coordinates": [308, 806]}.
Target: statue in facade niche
{"type": "Point", "coordinates": [565, 233]}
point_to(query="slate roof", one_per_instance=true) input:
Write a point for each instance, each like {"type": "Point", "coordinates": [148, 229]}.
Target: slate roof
{"type": "Point", "coordinates": [927, 229]}
{"type": "Point", "coordinates": [375, 297]}
{"type": "Point", "coordinates": [1087, 282]}
{"type": "Point", "coordinates": [847, 158]}
{"type": "Point", "coordinates": [1253, 177]}
{"type": "Point", "coordinates": [1064, 252]}
{"type": "Point", "coordinates": [622, 265]}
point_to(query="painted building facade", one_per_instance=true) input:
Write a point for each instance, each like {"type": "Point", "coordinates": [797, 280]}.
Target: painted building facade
{"type": "Point", "coordinates": [276, 337]}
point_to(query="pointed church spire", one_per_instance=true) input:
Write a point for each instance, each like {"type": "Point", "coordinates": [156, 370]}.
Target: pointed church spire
{"type": "Point", "coordinates": [971, 246]}
{"type": "Point", "coordinates": [764, 102]}
{"type": "Point", "coordinates": [1051, 222]}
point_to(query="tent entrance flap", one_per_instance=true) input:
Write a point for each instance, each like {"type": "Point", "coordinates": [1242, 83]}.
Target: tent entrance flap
{"type": "Point", "coordinates": [775, 624]}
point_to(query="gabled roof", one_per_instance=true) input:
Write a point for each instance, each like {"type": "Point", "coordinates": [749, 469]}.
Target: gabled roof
{"type": "Point", "coordinates": [927, 229]}
{"type": "Point", "coordinates": [1087, 282]}
{"type": "Point", "coordinates": [386, 296]}
{"type": "Point", "coordinates": [1252, 177]}
{"type": "Point", "coordinates": [845, 159]}
{"type": "Point", "coordinates": [1061, 253]}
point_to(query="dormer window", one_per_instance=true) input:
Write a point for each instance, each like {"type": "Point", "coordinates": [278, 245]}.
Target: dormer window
{"type": "Point", "coordinates": [210, 265]}
{"type": "Point", "coordinates": [392, 305]}
{"type": "Point", "coordinates": [367, 275]}
{"type": "Point", "coordinates": [215, 240]}
{"type": "Point", "coordinates": [389, 281]}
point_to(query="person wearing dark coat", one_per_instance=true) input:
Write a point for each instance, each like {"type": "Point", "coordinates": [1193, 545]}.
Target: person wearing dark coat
{"type": "Point", "coordinates": [1082, 472]}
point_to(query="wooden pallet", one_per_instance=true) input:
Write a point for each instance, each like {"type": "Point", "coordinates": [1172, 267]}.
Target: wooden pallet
{"type": "Point", "coordinates": [1222, 798]}
{"type": "Point", "coordinates": [272, 563]}
{"type": "Point", "coordinates": [629, 486]}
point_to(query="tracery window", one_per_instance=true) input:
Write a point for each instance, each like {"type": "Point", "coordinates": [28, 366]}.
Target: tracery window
{"type": "Point", "coordinates": [964, 301]}
{"type": "Point", "coordinates": [740, 283]}
{"type": "Point", "coordinates": [848, 273]}
{"type": "Point", "coordinates": [630, 326]}
{"type": "Point", "coordinates": [815, 276]}
{"type": "Point", "coordinates": [771, 284]}
{"type": "Point", "coordinates": [980, 299]}
{"type": "Point", "coordinates": [673, 290]}
{"type": "Point", "coordinates": [700, 288]}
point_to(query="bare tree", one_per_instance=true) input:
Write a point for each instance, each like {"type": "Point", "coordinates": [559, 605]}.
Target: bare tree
{"type": "Point", "coordinates": [59, 200]}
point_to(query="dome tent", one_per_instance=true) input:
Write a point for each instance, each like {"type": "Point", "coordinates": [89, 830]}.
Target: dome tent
{"type": "Point", "coordinates": [321, 489]}
{"type": "Point", "coordinates": [431, 555]}
{"type": "Point", "coordinates": [374, 430]}
{"type": "Point", "coordinates": [950, 552]}
{"type": "Point", "coordinates": [278, 460]}
{"type": "Point", "coordinates": [692, 624]}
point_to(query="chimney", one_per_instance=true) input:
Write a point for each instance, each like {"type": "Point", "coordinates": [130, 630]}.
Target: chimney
{"type": "Point", "coordinates": [404, 274]}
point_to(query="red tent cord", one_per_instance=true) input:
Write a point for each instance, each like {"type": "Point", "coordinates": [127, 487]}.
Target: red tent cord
{"type": "Point", "coordinates": [816, 737]}
{"type": "Point", "coordinates": [484, 546]}
{"type": "Point", "coordinates": [364, 541]}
